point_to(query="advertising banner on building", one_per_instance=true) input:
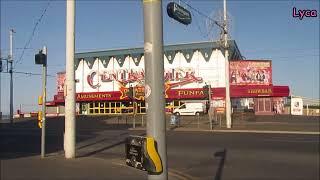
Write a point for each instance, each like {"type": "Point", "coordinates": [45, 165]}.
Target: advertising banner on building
{"type": "Point", "coordinates": [250, 72]}
{"type": "Point", "coordinates": [61, 77]}
{"type": "Point", "coordinates": [278, 105]}
{"type": "Point", "coordinates": [296, 106]}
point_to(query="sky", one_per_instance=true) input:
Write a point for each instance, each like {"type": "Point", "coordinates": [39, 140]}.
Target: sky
{"type": "Point", "coordinates": [261, 29]}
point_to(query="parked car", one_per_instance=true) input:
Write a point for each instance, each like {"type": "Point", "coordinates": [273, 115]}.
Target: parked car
{"type": "Point", "coordinates": [190, 108]}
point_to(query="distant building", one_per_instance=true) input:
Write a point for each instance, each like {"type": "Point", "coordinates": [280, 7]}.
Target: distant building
{"type": "Point", "coordinates": [103, 79]}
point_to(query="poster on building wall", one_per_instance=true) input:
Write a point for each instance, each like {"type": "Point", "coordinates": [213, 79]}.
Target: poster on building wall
{"type": "Point", "coordinates": [278, 105]}
{"type": "Point", "coordinates": [61, 77]}
{"type": "Point", "coordinates": [296, 106]}
{"type": "Point", "coordinates": [249, 72]}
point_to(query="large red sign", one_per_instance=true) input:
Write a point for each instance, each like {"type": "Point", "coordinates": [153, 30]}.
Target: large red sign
{"type": "Point", "coordinates": [194, 93]}
{"type": "Point", "coordinates": [250, 72]}
{"type": "Point", "coordinates": [252, 91]}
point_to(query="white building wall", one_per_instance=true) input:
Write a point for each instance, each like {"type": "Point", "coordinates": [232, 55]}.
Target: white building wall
{"type": "Point", "coordinates": [212, 72]}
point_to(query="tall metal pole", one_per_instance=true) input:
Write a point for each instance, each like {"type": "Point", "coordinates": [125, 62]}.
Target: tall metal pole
{"type": "Point", "coordinates": [226, 47]}
{"type": "Point", "coordinates": [0, 81]}
{"type": "Point", "coordinates": [70, 119]}
{"type": "Point", "coordinates": [44, 99]}
{"type": "Point", "coordinates": [134, 112]}
{"type": "Point", "coordinates": [154, 83]}
{"type": "Point", "coordinates": [210, 108]}
{"type": "Point", "coordinates": [10, 71]}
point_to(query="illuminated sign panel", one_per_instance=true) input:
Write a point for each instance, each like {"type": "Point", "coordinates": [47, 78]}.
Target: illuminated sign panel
{"type": "Point", "coordinates": [179, 13]}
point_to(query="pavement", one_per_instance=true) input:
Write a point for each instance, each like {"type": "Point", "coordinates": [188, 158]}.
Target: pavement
{"type": "Point", "coordinates": [281, 124]}
{"type": "Point", "coordinates": [18, 164]}
{"type": "Point", "coordinates": [57, 167]}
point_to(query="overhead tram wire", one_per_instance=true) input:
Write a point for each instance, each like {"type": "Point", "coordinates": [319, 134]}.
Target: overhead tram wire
{"type": "Point", "coordinates": [29, 73]}
{"type": "Point", "coordinates": [4, 50]}
{"type": "Point", "coordinates": [205, 35]}
{"type": "Point", "coordinates": [32, 34]}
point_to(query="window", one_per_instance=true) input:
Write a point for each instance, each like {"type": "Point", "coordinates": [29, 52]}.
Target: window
{"type": "Point", "coordinates": [183, 107]}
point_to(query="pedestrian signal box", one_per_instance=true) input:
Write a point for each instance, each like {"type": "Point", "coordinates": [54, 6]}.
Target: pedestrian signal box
{"type": "Point", "coordinates": [141, 153]}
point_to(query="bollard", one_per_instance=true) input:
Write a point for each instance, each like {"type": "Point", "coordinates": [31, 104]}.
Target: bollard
{"type": "Point", "coordinates": [142, 123]}
{"type": "Point", "coordinates": [198, 121]}
{"type": "Point", "coordinates": [134, 121]}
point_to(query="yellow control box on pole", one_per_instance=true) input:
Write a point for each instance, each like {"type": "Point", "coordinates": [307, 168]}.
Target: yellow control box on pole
{"type": "Point", "coordinates": [153, 164]}
{"type": "Point", "coordinates": [40, 119]}
{"type": "Point", "coordinates": [40, 100]}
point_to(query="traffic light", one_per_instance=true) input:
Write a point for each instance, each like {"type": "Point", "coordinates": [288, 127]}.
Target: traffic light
{"type": "Point", "coordinates": [179, 13]}
{"type": "Point", "coordinates": [206, 91]}
{"type": "Point", "coordinates": [0, 65]}
{"type": "Point", "coordinates": [130, 93]}
{"type": "Point", "coordinates": [41, 58]}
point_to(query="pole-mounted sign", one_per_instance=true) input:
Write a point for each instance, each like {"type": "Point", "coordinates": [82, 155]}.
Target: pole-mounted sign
{"type": "Point", "coordinates": [179, 13]}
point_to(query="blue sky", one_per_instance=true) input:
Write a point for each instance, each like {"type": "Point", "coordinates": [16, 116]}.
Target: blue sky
{"type": "Point", "coordinates": [262, 30]}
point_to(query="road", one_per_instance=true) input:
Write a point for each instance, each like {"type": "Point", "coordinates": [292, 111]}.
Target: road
{"type": "Point", "coordinates": [244, 156]}
{"type": "Point", "coordinates": [191, 155]}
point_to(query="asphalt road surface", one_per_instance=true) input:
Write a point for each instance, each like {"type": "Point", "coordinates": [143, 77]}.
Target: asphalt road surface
{"type": "Point", "coordinates": [244, 156]}
{"type": "Point", "coordinates": [191, 155]}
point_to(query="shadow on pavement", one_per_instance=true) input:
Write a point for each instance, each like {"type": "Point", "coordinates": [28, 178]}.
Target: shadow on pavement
{"type": "Point", "coordinates": [222, 155]}
{"type": "Point", "coordinates": [23, 137]}
{"type": "Point", "coordinates": [103, 148]}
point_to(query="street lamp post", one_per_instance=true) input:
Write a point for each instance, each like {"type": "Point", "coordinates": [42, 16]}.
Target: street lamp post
{"type": "Point", "coordinates": [154, 80]}
{"type": "Point", "coordinates": [70, 119]}
{"type": "Point", "coordinates": [226, 47]}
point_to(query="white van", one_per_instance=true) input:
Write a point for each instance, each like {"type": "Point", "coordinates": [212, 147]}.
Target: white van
{"type": "Point", "coordinates": [190, 108]}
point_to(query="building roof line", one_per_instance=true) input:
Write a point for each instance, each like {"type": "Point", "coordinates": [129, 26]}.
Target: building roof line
{"type": "Point", "coordinates": [171, 47]}
{"type": "Point", "coordinates": [126, 48]}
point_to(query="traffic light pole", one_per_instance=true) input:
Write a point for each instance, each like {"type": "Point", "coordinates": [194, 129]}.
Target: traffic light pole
{"type": "Point", "coordinates": [210, 108]}
{"type": "Point", "coordinates": [10, 71]}
{"type": "Point", "coordinates": [0, 86]}
{"type": "Point", "coordinates": [134, 111]}
{"type": "Point", "coordinates": [154, 82]}
{"type": "Point", "coordinates": [44, 99]}
{"type": "Point", "coordinates": [0, 83]}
